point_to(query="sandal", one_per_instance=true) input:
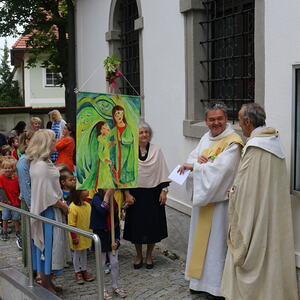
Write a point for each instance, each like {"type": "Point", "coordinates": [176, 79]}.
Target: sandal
{"type": "Point", "coordinates": [120, 292]}
{"type": "Point", "coordinates": [87, 276]}
{"type": "Point", "coordinates": [79, 278]}
{"type": "Point", "coordinates": [38, 280]}
{"type": "Point", "coordinates": [107, 296]}
{"type": "Point", "coordinates": [58, 288]}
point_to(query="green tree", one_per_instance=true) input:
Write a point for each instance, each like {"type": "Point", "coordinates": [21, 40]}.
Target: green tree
{"type": "Point", "coordinates": [9, 88]}
{"type": "Point", "coordinates": [47, 22]}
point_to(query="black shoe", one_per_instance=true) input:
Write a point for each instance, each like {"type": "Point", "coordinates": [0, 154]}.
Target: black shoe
{"type": "Point", "coordinates": [194, 292]}
{"type": "Point", "coordinates": [149, 266]}
{"type": "Point", "coordinates": [138, 266]}
{"type": "Point", "coordinates": [212, 297]}
{"type": "Point", "coordinates": [4, 236]}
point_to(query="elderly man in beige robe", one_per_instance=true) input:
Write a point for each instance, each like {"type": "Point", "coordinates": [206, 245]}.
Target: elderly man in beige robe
{"type": "Point", "coordinates": [260, 262]}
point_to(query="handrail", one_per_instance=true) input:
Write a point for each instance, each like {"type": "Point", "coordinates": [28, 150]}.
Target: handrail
{"type": "Point", "coordinates": [98, 254]}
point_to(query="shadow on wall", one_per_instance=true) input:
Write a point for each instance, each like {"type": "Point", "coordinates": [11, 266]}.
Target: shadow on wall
{"type": "Point", "coordinates": [175, 246]}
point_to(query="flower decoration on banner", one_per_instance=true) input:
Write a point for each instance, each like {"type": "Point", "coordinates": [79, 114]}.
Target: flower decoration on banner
{"type": "Point", "coordinates": [111, 64]}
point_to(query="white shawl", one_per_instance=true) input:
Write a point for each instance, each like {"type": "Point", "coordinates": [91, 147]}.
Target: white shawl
{"type": "Point", "coordinates": [45, 192]}
{"type": "Point", "coordinates": [153, 170]}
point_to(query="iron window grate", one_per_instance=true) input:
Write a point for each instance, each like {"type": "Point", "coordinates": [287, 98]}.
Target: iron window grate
{"type": "Point", "coordinates": [228, 60]}
{"type": "Point", "coordinates": [129, 49]}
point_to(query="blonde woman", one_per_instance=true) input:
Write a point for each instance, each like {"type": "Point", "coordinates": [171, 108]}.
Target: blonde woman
{"type": "Point", "coordinates": [35, 124]}
{"type": "Point", "coordinates": [58, 124]}
{"type": "Point", "coordinates": [46, 200]}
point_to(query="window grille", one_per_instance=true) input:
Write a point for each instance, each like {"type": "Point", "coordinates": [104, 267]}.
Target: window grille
{"type": "Point", "coordinates": [52, 78]}
{"type": "Point", "coordinates": [228, 48]}
{"type": "Point", "coordinates": [129, 50]}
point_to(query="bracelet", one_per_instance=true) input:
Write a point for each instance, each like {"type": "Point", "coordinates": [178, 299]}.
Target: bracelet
{"type": "Point", "coordinates": [165, 189]}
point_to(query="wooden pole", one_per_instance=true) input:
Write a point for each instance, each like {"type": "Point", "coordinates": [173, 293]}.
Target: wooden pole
{"type": "Point", "coordinates": [112, 221]}
{"type": "Point", "coordinates": [111, 201]}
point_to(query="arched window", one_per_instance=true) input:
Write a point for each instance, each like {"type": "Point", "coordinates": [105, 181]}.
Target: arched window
{"type": "Point", "coordinates": [129, 48]}
{"type": "Point", "coordinates": [124, 38]}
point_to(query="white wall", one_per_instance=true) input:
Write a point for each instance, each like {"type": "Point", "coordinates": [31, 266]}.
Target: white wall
{"type": "Point", "coordinates": [282, 50]}
{"type": "Point", "coordinates": [35, 92]}
{"type": "Point", "coordinates": [91, 25]}
{"type": "Point", "coordinates": [164, 81]}
{"type": "Point", "coordinates": [164, 71]}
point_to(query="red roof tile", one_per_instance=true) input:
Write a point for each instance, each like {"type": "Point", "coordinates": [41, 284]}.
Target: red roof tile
{"type": "Point", "coordinates": [21, 42]}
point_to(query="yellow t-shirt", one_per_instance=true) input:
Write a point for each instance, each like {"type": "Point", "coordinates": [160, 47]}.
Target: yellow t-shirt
{"type": "Point", "coordinates": [79, 217]}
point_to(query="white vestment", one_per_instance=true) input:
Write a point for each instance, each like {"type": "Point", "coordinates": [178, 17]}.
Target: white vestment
{"type": "Point", "coordinates": [210, 183]}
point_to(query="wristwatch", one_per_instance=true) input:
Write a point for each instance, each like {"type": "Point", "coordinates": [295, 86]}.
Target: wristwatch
{"type": "Point", "coordinates": [165, 189]}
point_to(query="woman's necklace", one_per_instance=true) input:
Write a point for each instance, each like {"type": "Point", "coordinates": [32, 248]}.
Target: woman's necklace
{"type": "Point", "coordinates": [143, 151]}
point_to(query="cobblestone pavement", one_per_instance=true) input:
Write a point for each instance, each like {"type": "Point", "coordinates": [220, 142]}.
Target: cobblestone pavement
{"type": "Point", "coordinates": [165, 281]}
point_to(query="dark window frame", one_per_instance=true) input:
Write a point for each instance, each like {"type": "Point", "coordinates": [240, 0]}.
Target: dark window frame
{"type": "Point", "coordinates": [52, 79]}
{"type": "Point", "coordinates": [295, 155]}
{"type": "Point", "coordinates": [129, 47]}
{"type": "Point", "coordinates": [228, 53]}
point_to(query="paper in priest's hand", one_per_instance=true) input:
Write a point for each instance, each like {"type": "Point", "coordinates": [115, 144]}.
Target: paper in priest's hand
{"type": "Point", "coordinates": [179, 178]}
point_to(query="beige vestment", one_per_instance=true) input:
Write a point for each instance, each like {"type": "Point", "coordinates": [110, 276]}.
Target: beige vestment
{"type": "Point", "coordinates": [260, 262]}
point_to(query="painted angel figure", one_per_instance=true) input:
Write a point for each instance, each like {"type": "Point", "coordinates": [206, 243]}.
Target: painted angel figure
{"type": "Point", "coordinates": [105, 164]}
{"type": "Point", "coordinates": [122, 150]}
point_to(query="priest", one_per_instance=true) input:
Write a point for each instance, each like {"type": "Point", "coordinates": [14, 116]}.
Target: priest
{"type": "Point", "coordinates": [260, 262]}
{"type": "Point", "coordinates": [213, 163]}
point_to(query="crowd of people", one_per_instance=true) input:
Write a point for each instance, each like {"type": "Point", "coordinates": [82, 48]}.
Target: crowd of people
{"type": "Point", "coordinates": [39, 176]}
{"type": "Point", "coordinates": [241, 236]}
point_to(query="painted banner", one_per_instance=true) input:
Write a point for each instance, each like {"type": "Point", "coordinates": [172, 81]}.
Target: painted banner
{"type": "Point", "coordinates": [107, 130]}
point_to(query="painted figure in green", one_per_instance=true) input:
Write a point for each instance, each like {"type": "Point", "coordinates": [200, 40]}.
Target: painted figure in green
{"type": "Point", "coordinates": [105, 179]}
{"type": "Point", "coordinates": [122, 149]}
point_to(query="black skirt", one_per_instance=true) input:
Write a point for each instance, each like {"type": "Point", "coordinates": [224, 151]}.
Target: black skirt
{"type": "Point", "coordinates": [145, 220]}
{"type": "Point", "coordinates": [105, 238]}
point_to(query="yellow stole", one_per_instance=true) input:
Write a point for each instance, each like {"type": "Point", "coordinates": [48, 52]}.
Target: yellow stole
{"type": "Point", "coordinates": [203, 226]}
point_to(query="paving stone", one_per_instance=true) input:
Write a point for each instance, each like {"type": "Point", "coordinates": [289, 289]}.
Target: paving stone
{"type": "Point", "coordinates": [165, 281]}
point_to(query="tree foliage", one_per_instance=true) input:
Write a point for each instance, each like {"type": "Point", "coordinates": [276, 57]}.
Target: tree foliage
{"type": "Point", "coordinates": [46, 22]}
{"type": "Point", "coordinates": [9, 88]}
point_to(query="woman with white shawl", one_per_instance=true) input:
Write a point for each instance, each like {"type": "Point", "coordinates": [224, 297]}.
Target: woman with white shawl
{"type": "Point", "coordinates": [145, 221]}
{"type": "Point", "coordinates": [46, 200]}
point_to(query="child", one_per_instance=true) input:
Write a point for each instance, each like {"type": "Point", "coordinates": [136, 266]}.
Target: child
{"type": "Point", "coordinates": [79, 217]}
{"type": "Point", "coordinates": [9, 191]}
{"type": "Point", "coordinates": [6, 151]}
{"type": "Point", "coordinates": [100, 223]}
{"type": "Point", "coordinates": [67, 183]}
{"type": "Point", "coordinates": [14, 144]}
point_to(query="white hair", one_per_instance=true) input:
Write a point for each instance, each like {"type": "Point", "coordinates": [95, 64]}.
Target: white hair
{"type": "Point", "coordinates": [145, 125]}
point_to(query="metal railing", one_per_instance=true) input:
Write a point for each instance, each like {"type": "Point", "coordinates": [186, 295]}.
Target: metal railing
{"type": "Point", "coordinates": [98, 254]}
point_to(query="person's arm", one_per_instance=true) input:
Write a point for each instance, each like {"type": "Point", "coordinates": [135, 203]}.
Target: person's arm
{"type": "Point", "coordinates": [62, 143]}
{"type": "Point", "coordinates": [129, 199]}
{"type": "Point", "coordinates": [72, 221]}
{"type": "Point", "coordinates": [62, 205]}
{"type": "Point", "coordinates": [4, 197]}
{"type": "Point", "coordinates": [101, 207]}
{"type": "Point", "coordinates": [213, 179]}
{"type": "Point", "coordinates": [127, 136]}
{"type": "Point", "coordinates": [24, 181]}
